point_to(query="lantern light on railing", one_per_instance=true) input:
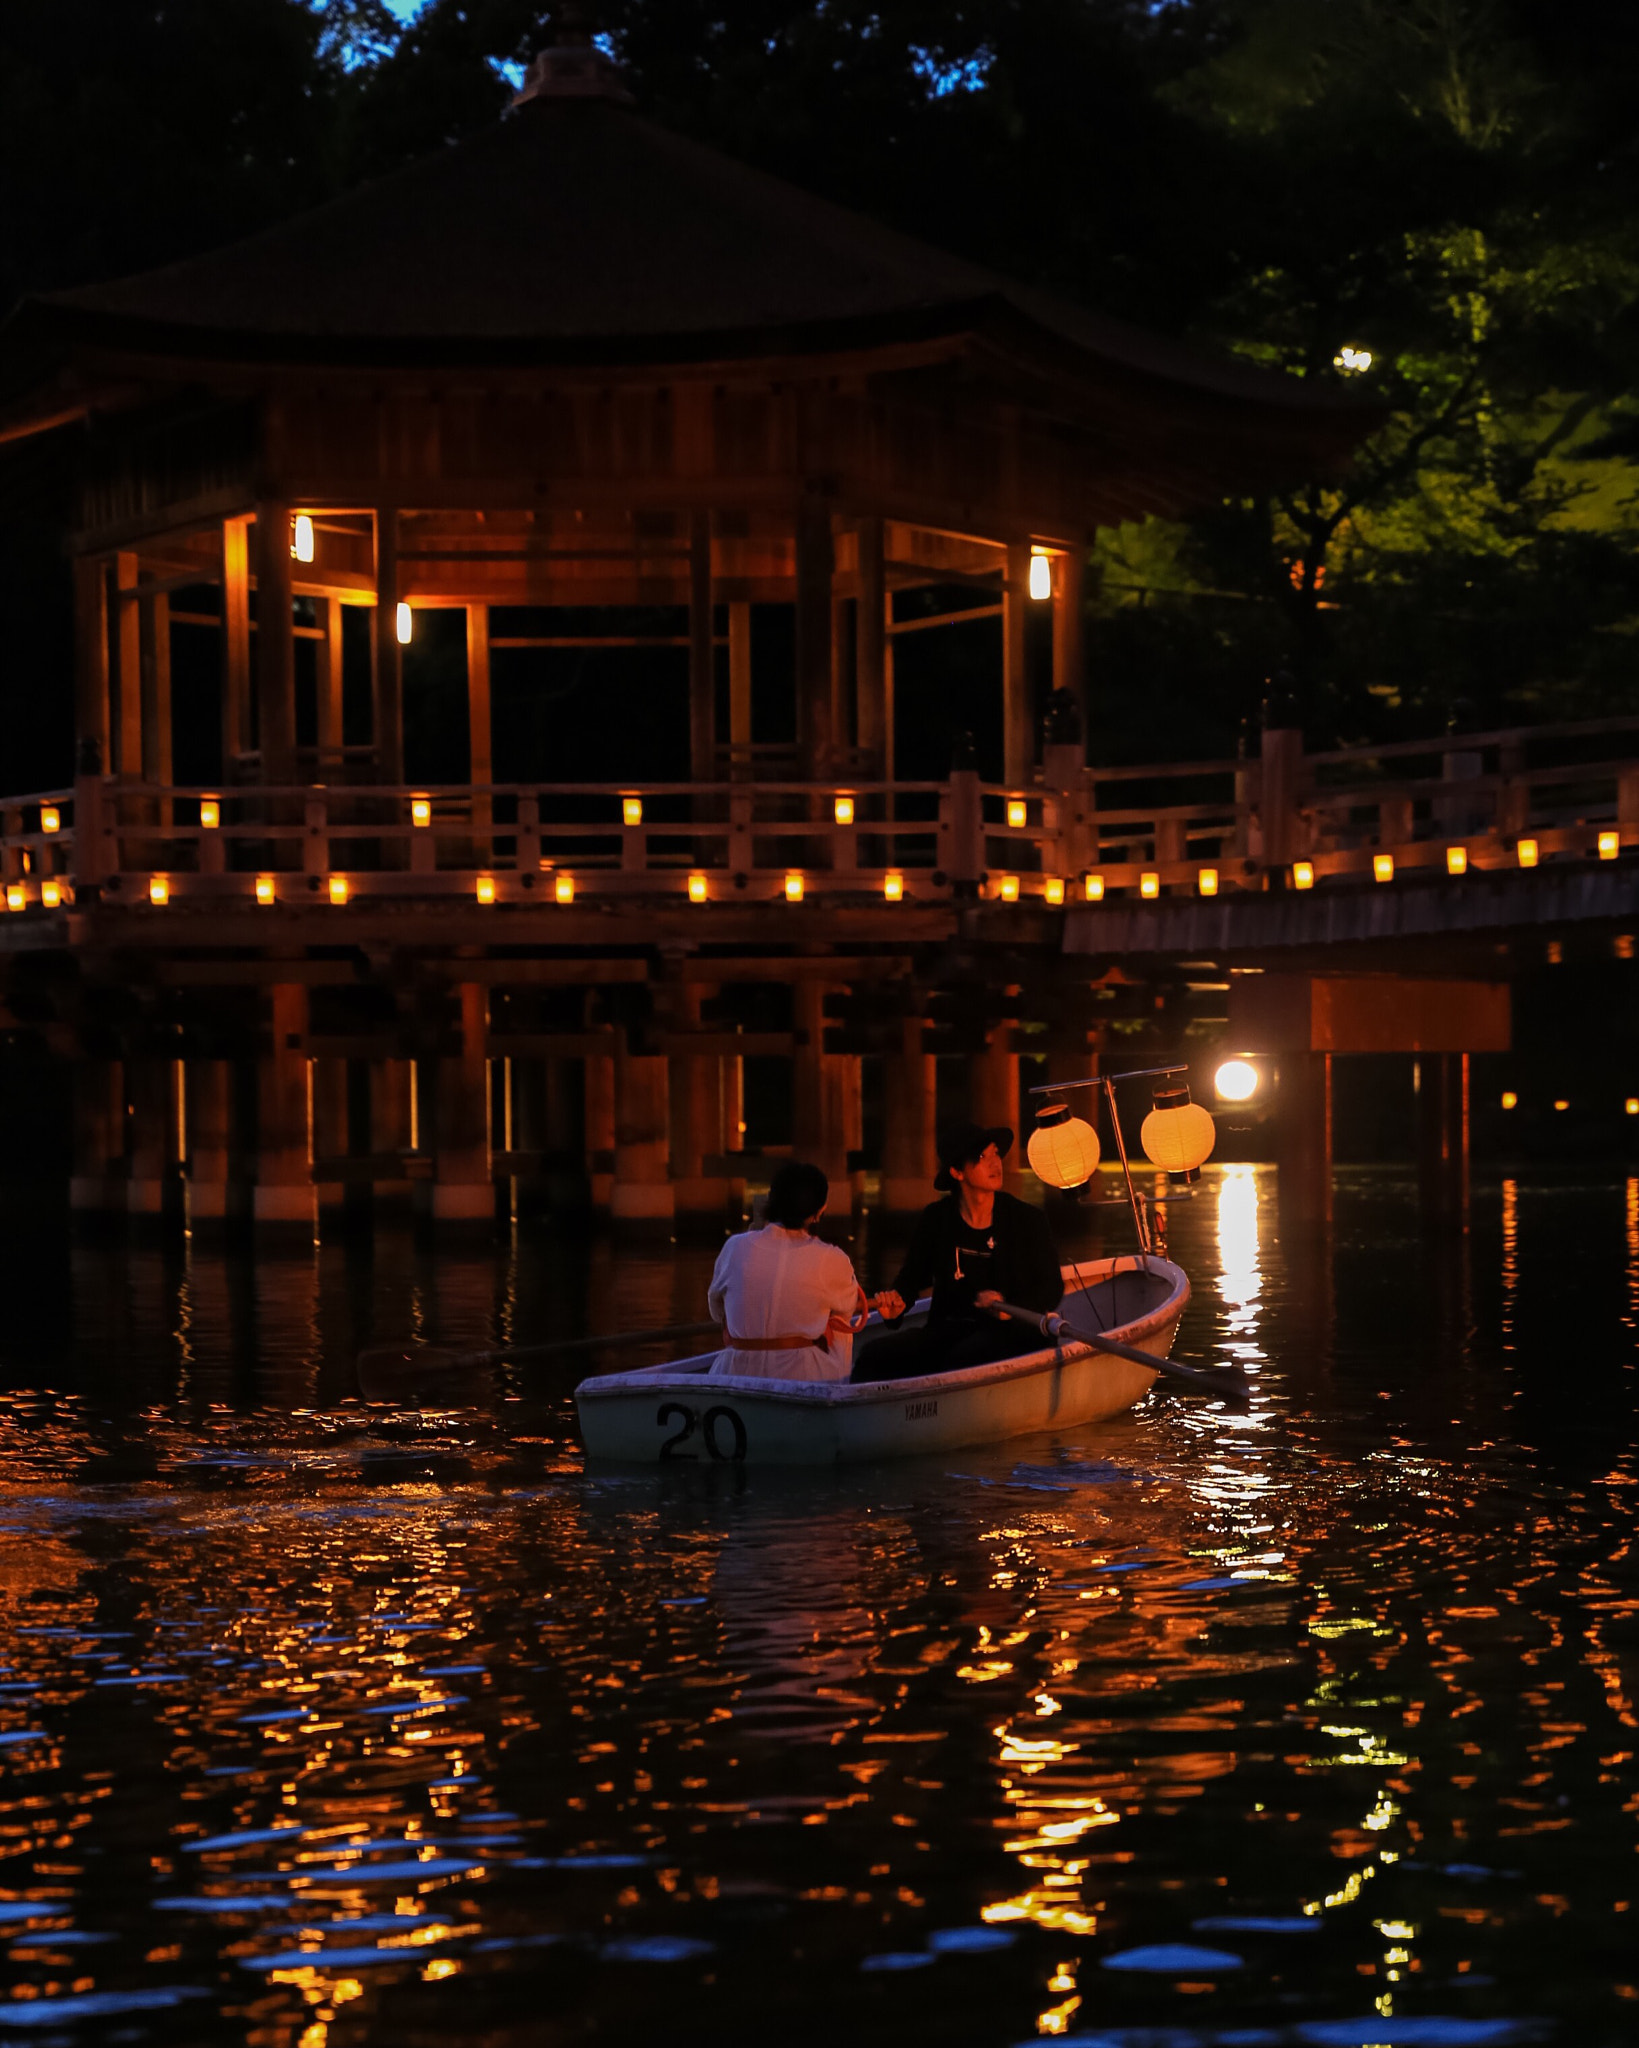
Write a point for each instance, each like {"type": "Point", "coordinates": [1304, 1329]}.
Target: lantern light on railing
{"type": "Point", "coordinates": [1207, 881]}
{"type": "Point", "coordinates": [421, 811]}
{"type": "Point", "coordinates": [631, 810]}
{"type": "Point", "coordinates": [1527, 852]}
{"type": "Point", "coordinates": [51, 819]}
{"type": "Point", "coordinates": [403, 623]}
{"type": "Point", "coordinates": [563, 888]}
{"type": "Point", "coordinates": [843, 810]}
{"type": "Point", "coordinates": [1631, 1106]}
{"type": "Point", "coordinates": [1149, 885]}
{"type": "Point", "coordinates": [1456, 860]}
{"type": "Point", "coordinates": [1018, 814]}
{"type": "Point", "coordinates": [264, 889]}
{"type": "Point", "coordinates": [793, 886]}
{"type": "Point", "coordinates": [893, 886]}
{"type": "Point", "coordinates": [1052, 890]}
{"type": "Point", "coordinates": [16, 896]}
{"type": "Point", "coordinates": [1509, 1099]}
{"type": "Point", "coordinates": [484, 888]}
{"type": "Point", "coordinates": [1303, 874]}
{"type": "Point", "coordinates": [210, 813]}
{"type": "Point", "coordinates": [159, 889]}
{"type": "Point", "coordinates": [1236, 1081]}
{"type": "Point", "coordinates": [1610, 845]}
{"type": "Point", "coordinates": [1007, 888]}
{"type": "Point", "coordinates": [51, 892]}
{"type": "Point", "coordinates": [338, 890]}
{"type": "Point", "coordinates": [1041, 575]}
{"type": "Point", "coordinates": [1382, 867]}
{"type": "Point", "coordinates": [1063, 1151]}
{"type": "Point", "coordinates": [1095, 888]}
{"type": "Point", "coordinates": [1177, 1135]}
{"type": "Point", "coordinates": [301, 537]}
{"type": "Point", "coordinates": [699, 892]}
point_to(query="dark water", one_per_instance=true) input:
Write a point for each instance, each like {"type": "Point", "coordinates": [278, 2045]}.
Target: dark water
{"type": "Point", "coordinates": [1317, 1726]}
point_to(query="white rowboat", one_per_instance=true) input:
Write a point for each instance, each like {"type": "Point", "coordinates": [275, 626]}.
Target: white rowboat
{"type": "Point", "coordinates": [681, 1411]}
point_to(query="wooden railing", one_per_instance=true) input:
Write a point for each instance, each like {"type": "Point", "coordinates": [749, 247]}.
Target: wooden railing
{"type": "Point", "coordinates": [1349, 816]}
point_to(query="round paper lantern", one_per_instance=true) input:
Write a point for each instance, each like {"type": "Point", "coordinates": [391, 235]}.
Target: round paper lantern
{"type": "Point", "coordinates": [1178, 1134]}
{"type": "Point", "coordinates": [1063, 1151]}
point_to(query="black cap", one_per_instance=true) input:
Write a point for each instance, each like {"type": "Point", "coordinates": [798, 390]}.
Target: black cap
{"type": "Point", "coordinates": [962, 1144]}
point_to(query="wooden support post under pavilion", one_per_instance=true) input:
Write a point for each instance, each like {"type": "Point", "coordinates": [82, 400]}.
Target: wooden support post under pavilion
{"type": "Point", "coordinates": [236, 724]}
{"type": "Point", "coordinates": [695, 1085]}
{"type": "Point", "coordinates": [463, 1191]}
{"type": "Point", "coordinates": [156, 694]}
{"type": "Point", "coordinates": [871, 648]}
{"type": "Point", "coordinates": [642, 1192]}
{"type": "Point", "coordinates": [739, 692]}
{"type": "Point", "coordinates": [208, 1098]}
{"type": "Point", "coordinates": [389, 670]}
{"type": "Point", "coordinates": [815, 569]}
{"type": "Point", "coordinates": [282, 1204]}
{"type": "Point", "coordinates": [1018, 736]}
{"type": "Point", "coordinates": [909, 1141]}
{"type": "Point", "coordinates": [275, 644]}
{"type": "Point", "coordinates": [153, 1195]}
{"type": "Point", "coordinates": [96, 1188]}
{"type": "Point", "coordinates": [1303, 1137]}
{"type": "Point", "coordinates": [702, 654]}
{"type": "Point", "coordinates": [993, 1090]}
{"type": "Point", "coordinates": [128, 668]}
{"type": "Point", "coordinates": [600, 1129]}
{"type": "Point", "coordinates": [1443, 1137]}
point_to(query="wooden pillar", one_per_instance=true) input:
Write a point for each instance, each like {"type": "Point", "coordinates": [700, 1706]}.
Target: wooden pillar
{"type": "Point", "coordinates": [464, 1189]}
{"type": "Point", "coordinates": [156, 695]}
{"type": "Point", "coordinates": [1303, 1136]}
{"type": "Point", "coordinates": [871, 648]}
{"type": "Point", "coordinates": [815, 565]}
{"type": "Point", "coordinates": [993, 1090]}
{"type": "Point", "coordinates": [208, 1095]}
{"type": "Point", "coordinates": [702, 654]}
{"type": "Point", "coordinates": [480, 738]}
{"type": "Point", "coordinates": [825, 1095]}
{"type": "Point", "coordinates": [1070, 628]}
{"type": "Point", "coordinates": [282, 1204]}
{"type": "Point", "coordinates": [1018, 737]}
{"type": "Point", "coordinates": [739, 691]}
{"type": "Point", "coordinates": [695, 1089]}
{"type": "Point", "coordinates": [328, 1079]}
{"type": "Point", "coordinates": [91, 660]}
{"type": "Point", "coordinates": [909, 1140]}
{"type": "Point", "coordinates": [96, 1188]}
{"type": "Point", "coordinates": [153, 1195]}
{"type": "Point", "coordinates": [128, 668]}
{"type": "Point", "coordinates": [235, 642]}
{"type": "Point", "coordinates": [642, 1191]}
{"type": "Point", "coordinates": [1278, 799]}
{"type": "Point", "coordinates": [389, 676]}
{"type": "Point", "coordinates": [1442, 1129]}
{"type": "Point", "coordinates": [328, 677]}
{"type": "Point", "coordinates": [393, 1129]}
{"type": "Point", "coordinates": [599, 1086]}
{"type": "Point", "coordinates": [275, 644]}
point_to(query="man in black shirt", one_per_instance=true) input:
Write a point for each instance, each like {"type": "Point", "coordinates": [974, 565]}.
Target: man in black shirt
{"type": "Point", "coordinates": [978, 1246]}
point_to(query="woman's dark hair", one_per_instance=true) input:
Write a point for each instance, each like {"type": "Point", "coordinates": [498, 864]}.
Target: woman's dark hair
{"type": "Point", "coordinates": [796, 1192]}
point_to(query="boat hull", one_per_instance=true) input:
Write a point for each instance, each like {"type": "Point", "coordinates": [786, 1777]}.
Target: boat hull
{"type": "Point", "coordinates": [682, 1413]}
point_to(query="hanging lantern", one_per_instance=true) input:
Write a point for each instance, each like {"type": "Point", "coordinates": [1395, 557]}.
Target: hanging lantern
{"type": "Point", "coordinates": [1063, 1151]}
{"type": "Point", "coordinates": [1041, 575]}
{"type": "Point", "coordinates": [403, 624]}
{"type": "Point", "coordinates": [301, 537]}
{"type": "Point", "coordinates": [1178, 1134]}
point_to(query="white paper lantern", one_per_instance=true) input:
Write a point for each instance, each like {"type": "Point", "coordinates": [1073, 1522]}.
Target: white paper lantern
{"type": "Point", "coordinates": [1063, 1151]}
{"type": "Point", "coordinates": [1178, 1135]}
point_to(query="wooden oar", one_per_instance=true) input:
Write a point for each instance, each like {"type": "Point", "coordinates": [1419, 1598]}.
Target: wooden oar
{"type": "Point", "coordinates": [388, 1363]}
{"type": "Point", "coordinates": [1227, 1381]}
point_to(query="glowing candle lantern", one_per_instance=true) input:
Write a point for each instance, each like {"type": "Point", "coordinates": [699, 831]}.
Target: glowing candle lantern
{"type": "Point", "coordinates": [1610, 845]}
{"type": "Point", "coordinates": [485, 888]}
{"type": "Point", "coordinates": [793, 887]}
{"type": "Point", "coordinates": [264, 889]}
{"type": "Point", "coordinates": [1177, 1135]}
{"type": "Point", "coordinates": [1562, 1104]}
{"type": "Point", "coordinates": [1509, 1099]}
{"type": "Point", "coordinates": [338, 889]}
{"type": "Point", "coordinates": [1149, 885]}
{"type": "Point", "coordinates": [698, 890]}
{"type": "Point", "coordinates": [51, 819]}
{"type": "Point", "coordinates": [51, 892]}
{"type": "Point", "coordinates": [403, 624]}
{"type": "Point", "coordinates": [1041, 575]}
{"type": "Point", "coordinates": [210, 813]}
{"type": "Point", "coordinates": [1053, 890]}
{"type": "Point", "coordinates": [893, 887]}
{"type": "Point", "coordinates": [1456, 860]}
{"type": "Point", "coordinates": [1527, 852]}
{"type": "Point", "coordinates": [563, 888]}
{"type": "Point", "coordinates": [1207, 881]}
{"type": "Point", "coordinates": [1063, 1151]}
{"type": "Point", "coordinates": [1631, 1106]}
{"type": "Point", "coordinates": [159, 889]}
{"type": "Point", "coordinates": [1382, 867]}
{"type": "Point", "coordinates": [631, 810]}
{"type": "Point", "coordinates": [1303, 874]}
{"type": "Point", "coordinates": [301, 538]}
{"type": "Point", "coordinates": [16, 896]}
{"type": "Point", "coordinates": [1236, 1081]}
{"type": "Point", "coordinates": [1008, 888]}
{"type": "Point", "coordinates": [1095, 888]}
{"type": "Point", "coordinates": [1018, 814]}
{"type": "Point", "coordinates": [421, 811]}
{"type": "Point", "coordinates": [843, 810]}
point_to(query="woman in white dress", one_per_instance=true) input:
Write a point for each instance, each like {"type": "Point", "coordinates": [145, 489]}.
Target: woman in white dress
{"type": "Point", "coordinates": [787, 1300]}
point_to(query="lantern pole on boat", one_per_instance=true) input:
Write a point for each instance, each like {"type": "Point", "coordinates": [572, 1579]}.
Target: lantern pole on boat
{"type": "Point", "coordinates": [1136, 1201]}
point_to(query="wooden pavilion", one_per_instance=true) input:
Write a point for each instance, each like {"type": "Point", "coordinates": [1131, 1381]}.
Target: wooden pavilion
{"type": "Point", "coordinates": [577, 369]}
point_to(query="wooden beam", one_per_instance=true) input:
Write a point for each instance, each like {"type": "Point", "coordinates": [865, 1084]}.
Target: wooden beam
{"type": "Point", "coordinates": [702, 654]}
{"type": "Point", "coordinates": [1018, 739]}
{"type": "Point", "coordinates": [91, 662]}
{"type": "Point", "coordinates": [235, 640]}
{"type": "Point", "coordinates": [389, 674]}
{"type": "Point", "coordinates": [128, 667]}
{"type": "Point", "coordinates": [275, 644]}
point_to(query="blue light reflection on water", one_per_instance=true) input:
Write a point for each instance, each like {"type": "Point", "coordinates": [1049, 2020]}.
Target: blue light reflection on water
{"type": "Point", "coordinates": [1357, 1666]}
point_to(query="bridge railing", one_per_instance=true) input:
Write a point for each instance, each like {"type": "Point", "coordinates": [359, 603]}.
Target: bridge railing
{"type": "Point", "coordinates": [1516, 797]}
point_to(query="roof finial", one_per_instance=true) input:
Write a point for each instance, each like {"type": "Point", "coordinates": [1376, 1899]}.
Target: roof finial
{"type": "Point", "coordinates": [573, 67]}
